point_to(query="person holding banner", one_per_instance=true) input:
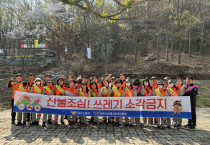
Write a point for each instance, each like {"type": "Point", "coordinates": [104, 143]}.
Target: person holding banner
{"type": "Point", "coordinates": [37, 88]}
{"type": "Point", "coordinates": [146, 91]}
{"type": "Point", "coordinates": [106, 91]}
{"type": "Point", "coordinates": [160, 91]}
{"type": "Point", "coordinates": [137, 86]}
{"type": "Point", "coordinates": [60, 88]}
{"type": "Point", "coordinates": [22, 115]}
{"type": "Point", "coordinates": [47, 77]}
{"type": "Point", "coordinates": [154, 83]}
{"type": "Point", "coordinates": [93, 92]}
{"type": "Point", "coordinates": [48, 90]}
{"type": "Point", "coordinates": [117, 92]}
{"type": "Point", "coordinates": [75, 92]}
{"type": "Point", "coordinates": [31, 79]}
{"type": "Point", "coordinates": [30, 84]}
{"type": "Point", "coordinates": [83, 92]}
{"type": "Point", "coordinates": [192, 91]}
{"type": "Point", "coordinates": [14, 86]}
{"type": "Point", "coordinates": [128, 92]}
{"type": "Point", "coordinates": [172, 91]}
{"type": "Point", "coordinates": [181, 90]}
{"type": "Point", "coordinates": [95, 79]}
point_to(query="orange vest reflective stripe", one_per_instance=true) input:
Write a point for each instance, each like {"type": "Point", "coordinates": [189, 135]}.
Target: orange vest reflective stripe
{"type": "Point", "coordinates": [95, 91]}
{"type": "Point", "coordinates": [85, 93]}
{"type": "Point", "coordinates": [57, 92]}
{"type": "Point", "coordinates": [52, 88]}
{"type": "Point", "coordinates": [120, 91]}
{"type": "Point", "coordinates": [175, 91]}
{"type": "Point", "coordinates": [128, 94]}
{"type": "Point", "coordinates": [34, 90]}
{"type": "Point", "coordinates": [163, 92]}
{"type": "Point", "coordinates": [25, 88]}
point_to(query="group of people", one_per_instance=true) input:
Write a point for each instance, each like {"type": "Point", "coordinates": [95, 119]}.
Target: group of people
{"type": "Point", "coordinates": [105, 87]}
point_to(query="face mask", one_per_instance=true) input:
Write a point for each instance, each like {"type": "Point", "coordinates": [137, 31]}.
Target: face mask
{"type": "Point", "coordinates": [171, 85]}
{"type": "Point", "coordinates": [160, 86]}
{"type": "Point", "coordinates": [38, 82]}
{"type": "Point", "coordinates": [146, 83]}
{"type": "Point", "coordinates": [128, 84]}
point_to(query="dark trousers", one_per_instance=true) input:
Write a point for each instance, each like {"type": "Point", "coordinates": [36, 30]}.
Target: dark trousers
{"type": "Point", "coordinates": [13, 114]}
{"type": "Point", "coordinates": [193, 112]}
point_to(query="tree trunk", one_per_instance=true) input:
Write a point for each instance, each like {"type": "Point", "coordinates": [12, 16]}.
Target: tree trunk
{"type": "Point", "coordinates": [189, 44]}
{"type": "Point", "coordinates": [202, 34]}
{"type": "Point", "coordinates": [158, 54]}
{"type": "Point", "coordinates": [171, 46]}
{"type": "Point", "coordinates": [180, 48]}
{"type": "Point", "coordinates": [166, 47]}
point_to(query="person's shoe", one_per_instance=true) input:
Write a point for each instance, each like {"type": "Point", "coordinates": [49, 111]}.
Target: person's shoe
{"type": "Point", "coordinates": [49, 121]}
{"type": "Point", "coordinates": [18, 124]}
{"type": "Point", "coordinates": [169, 127]}
{"type": "Point", "coordinates": [131, 125]}
{"type": "Point", "coordinates": [56, 123]}
{"type": "Point", "coordinates": [163, 127]}
{"type": "Point", "coordinates": [120, 125]}
{"type": "Point", "coordinates": [95, 123]}
{"type": "Point", "coordinates": [126, 125]}
{"type": "Point", "coordinates": [13, 122]}
{"type": "Point", "coordinates": [188, 126]}
{"type": "Point", "coordinates": [159, 127]}
{"type": "Point", "coordinates": [179, 125]}
{"type": "Point", "coordinates": [24, 123]}
{"type": "Point", "coordinates": [28, 119]}
{"type": "Point", "coordinates": [193, 127]}
{"type": "Point", "coordinates": [104, 121]}
{"type": "Point", "coordinates": [43, 124]}
{"type": "Point", "coordinates": [62, 122]}
{"type": "Point", "coordinates": [139, 124]}
{"type": "Point", "coordinates": [33, 123]}
{"type": "Point", "coordinates": [36, 123]}
{"type": "Point", "coordinates": [145, 125]}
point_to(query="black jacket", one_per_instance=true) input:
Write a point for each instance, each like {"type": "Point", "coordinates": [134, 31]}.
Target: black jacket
{"type": "Point", "coordinates": [193, 93]}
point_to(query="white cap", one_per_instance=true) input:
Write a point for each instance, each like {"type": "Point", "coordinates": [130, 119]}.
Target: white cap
{"type": "Point", "coordinates": [38, 79]}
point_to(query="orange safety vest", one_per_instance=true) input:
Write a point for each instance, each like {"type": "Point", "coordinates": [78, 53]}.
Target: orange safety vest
{"type": "Point", "coordinates": [15, 86]}
{"type": "Point", "coordinates": [120, 90]}
{"type": "Point", "coordinates": [57, 92]}
{"type": "Point", "coordinates": [175, 90]}
{"type": "Point", "coordinates": [73, 91]}
{"type": "Point", "coordinates": [25, 88]}
{"type": "Point", "coordinates": [84, 91]}
{"type": "Point", "coordinates": [31, 83]}
{"type": "Point", "coordinates": [52, 88]}
{"type": "Point", "coordinates": [34, 90]}
{"type": "Point", "coordinates": [147, 90]}
{"type": "Point", "coordinates": [95, 91]}
{"type": "Point", "coordinates": [128, 94]}
{"type": "Point", "coordinates": [123, 83]}
{"type": "Point", "coordinates": [154, 86]}
{"type": "Point", "coordinates": [163, 92]}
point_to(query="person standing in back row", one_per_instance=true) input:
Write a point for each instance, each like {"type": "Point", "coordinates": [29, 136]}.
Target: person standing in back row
{"type": "Point", "coordinates": [14, 86]}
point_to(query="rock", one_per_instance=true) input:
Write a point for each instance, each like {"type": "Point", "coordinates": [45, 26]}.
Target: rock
{"type": "Point", "coordinates": [150, 57]}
